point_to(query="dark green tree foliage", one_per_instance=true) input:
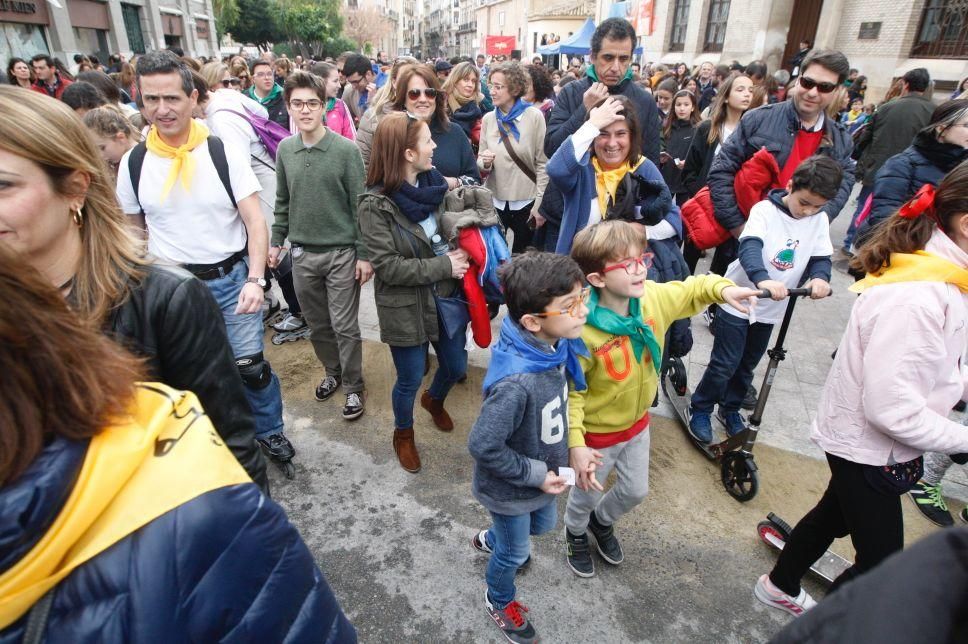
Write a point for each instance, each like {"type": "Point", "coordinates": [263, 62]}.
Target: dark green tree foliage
{"type": "Point", "coordinates": [312, 27]}
{"type": "Point", "coordinates": [256, 23]}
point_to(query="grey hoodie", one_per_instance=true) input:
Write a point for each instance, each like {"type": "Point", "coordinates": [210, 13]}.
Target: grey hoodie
{"type": "Point", "coordinates": [520, 434]}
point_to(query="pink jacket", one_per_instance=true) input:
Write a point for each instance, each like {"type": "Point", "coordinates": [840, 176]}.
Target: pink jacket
{"type": "Point", "coordinates": [898, 372]}
{"type": "Point", "coordinates": [340, 120]}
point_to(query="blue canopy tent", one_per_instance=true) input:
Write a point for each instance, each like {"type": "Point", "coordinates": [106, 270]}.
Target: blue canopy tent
{"type": "Point", "coordinates": [579, 42]}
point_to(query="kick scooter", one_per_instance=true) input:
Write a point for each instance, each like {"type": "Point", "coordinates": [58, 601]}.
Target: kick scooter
{"type": "Point", "coordinates": [735, 454]}
{"type": "Point", "coordinates": [775, 532]}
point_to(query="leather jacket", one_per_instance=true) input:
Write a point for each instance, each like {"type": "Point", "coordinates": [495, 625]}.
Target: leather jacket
{"type": "Point", "coordinates": [171, 319]}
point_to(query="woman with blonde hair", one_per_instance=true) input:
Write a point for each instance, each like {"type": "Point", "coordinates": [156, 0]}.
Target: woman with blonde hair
{"type": "Point", "coordinates": [463, 91]}
{"type": "Point", "coordinates": [380, 106]}
{"type": "Point", "coordinates": [113, 134]}
{"type": "Point", "coordinates": [59, 212]}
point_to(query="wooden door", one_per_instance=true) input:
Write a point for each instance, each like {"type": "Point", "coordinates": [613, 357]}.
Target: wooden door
{"type": "Point", "coordinates": [803, 26]}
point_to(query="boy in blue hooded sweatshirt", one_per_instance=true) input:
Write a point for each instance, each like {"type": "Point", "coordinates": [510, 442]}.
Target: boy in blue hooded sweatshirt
{"type": "Point", "coordinates": [519, 440]}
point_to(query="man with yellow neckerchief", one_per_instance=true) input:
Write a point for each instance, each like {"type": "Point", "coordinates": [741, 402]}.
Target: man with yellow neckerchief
{"type": "Point", "coordinates": [198, 199]}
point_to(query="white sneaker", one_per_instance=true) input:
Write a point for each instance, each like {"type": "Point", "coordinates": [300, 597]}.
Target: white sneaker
{"type": "Point", "coordinates": [770, 595]}
{"type": "Point", "coordinates": [289, 322]}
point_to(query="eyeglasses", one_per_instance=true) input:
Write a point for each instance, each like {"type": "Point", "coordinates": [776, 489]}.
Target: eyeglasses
{"type": "Point", "coordinates": [263, 75]}
{"type": "Point", "coordinates": [824, 88]}
{"type": "Point", "coordinates": [228, 82]}
{"type": "Point", "coordinates": [644, 261]}
{"type": "Point", "coordinates": [414, 94]}
{"type": "Point", "coordinates": [298, 105]}
{"type": "Point", "coordinates": [572, 310]}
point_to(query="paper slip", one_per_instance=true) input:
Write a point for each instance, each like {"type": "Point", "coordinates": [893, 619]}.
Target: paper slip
{"type": "Point", "coordinates": [568, 474]}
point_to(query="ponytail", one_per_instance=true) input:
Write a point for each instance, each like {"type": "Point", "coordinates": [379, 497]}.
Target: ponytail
{"type": "Point", "coordinates": [910, 228]}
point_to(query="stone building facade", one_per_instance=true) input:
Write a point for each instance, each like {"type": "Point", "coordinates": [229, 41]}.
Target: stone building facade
{"type": "Point", "coordinates": [881, 38]}
{"type": "Point", "coordinates": [63, 28]}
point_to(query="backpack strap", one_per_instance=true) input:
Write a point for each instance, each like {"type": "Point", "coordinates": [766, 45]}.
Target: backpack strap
{"type": "Point", "coordinates": [135, 162]}
{"type": "Point", "coordinates": [216, 149]}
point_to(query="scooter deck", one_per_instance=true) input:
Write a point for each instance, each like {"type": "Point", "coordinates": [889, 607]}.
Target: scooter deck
{"type": "Point", "coordinates": [681, 404]}
{"type": "Point", "coordinates": [829, 566]}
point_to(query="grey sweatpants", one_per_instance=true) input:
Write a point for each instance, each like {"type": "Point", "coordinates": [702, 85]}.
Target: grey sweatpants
{"type": "Point", "coordinates": [631, 463]}
{"type": "Point", "coordinates": [330, 298]}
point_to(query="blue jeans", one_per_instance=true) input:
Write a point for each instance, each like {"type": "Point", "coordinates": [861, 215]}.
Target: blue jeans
{"type": "Point", "coordinates": [510, 538]}
{"type": "Point", "coordinates": [862, 196]}
{"type": "Point", "coordinates": [409, 363]}
{"type": "Point", "coordinates": [245, 336]}
{"type": "Point", "coordinates": [737, 349]}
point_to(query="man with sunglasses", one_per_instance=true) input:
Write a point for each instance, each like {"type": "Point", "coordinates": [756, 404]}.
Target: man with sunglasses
{"type": "Point", "coordinates": [792, 131]}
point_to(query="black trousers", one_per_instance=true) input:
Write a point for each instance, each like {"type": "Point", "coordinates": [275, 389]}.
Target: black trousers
{"type": "Point", "coordinates": [849, 506]}
{"type": "Point", "coordinates": [517, 221]}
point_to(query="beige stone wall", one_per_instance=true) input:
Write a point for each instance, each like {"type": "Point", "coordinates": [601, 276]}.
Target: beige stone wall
{"type": "Point", "coordinates": [515, 21]}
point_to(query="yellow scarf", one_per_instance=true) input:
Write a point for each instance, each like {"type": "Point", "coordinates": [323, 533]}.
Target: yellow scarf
{"type": "Point", "coordinates": [184, 162]}
{"type": "Point", "coordinates": [606, 181]}
{"type": "Point", "coordinates": [164, 456]}
{"type": "Point", "coordinates": [919, 266]}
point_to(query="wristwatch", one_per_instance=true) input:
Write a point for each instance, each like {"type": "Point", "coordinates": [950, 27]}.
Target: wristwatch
{"type": "Point", "coordinates": [256, 280]}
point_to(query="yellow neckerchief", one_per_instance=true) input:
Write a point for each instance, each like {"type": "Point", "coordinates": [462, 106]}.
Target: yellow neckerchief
{"type": "Point", "coordinates": [606, 181]}
{"type": "Point", "coordinates": [165, 455]}
{"type": "Point", "coordinates": [852, 115]}
{"type": "Point", "coordinates": [184, 162]}
{"type": "Point", "coordinates": [919, 266]}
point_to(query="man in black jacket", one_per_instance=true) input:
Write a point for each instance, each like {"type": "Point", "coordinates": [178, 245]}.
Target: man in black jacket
{"type": "Point", "coordinates": [612, 45]}
{"type": "Point", "coordinates": [892, 129]}
{"type": "Point", "coordinates": [792, 131]}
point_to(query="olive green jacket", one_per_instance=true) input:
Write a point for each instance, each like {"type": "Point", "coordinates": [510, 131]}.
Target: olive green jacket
{"type": "Point", "coordinates": [405, 266]}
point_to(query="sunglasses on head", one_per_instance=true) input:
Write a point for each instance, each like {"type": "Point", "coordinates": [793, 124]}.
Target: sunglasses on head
{"type": "Point", "coordinates": [824, 88]}
{"type": "Point", "coordinates": [414, 94]}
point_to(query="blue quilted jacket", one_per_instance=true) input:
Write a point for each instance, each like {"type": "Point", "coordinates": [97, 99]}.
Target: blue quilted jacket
{"type": "Point", "coordinates": [225, 567]}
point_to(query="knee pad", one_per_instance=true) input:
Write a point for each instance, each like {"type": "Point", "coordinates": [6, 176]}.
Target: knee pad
{"type": "Point", "coordinates": [254, 370]}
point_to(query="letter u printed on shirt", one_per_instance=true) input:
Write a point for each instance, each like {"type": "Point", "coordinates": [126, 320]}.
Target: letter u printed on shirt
{"type": "Point", "coordinates": [616, 357]}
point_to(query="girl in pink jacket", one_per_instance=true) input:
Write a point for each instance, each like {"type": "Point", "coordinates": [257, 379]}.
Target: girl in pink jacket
{"type": "Point", "coordinates": [338, 117]}
{"type": "Point", "coordinates": [897, 373]}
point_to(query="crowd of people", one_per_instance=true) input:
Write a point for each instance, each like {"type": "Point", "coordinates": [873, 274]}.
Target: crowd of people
{"type": "Point", "coordinates": [146, 207]}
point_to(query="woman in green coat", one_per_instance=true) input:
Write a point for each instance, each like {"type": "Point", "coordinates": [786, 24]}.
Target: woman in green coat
{"type": "Point", "coordinates": [400, 218]}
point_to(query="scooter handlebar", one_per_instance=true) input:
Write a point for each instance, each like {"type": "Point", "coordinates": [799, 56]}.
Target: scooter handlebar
{"type": "Point", "coordinates": [793, 292]}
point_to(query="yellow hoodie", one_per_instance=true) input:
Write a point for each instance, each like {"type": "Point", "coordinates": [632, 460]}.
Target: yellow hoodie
{"type": "Point", "coordinates": [620, 390]}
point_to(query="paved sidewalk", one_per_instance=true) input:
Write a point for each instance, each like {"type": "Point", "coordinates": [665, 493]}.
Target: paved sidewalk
{"type": "Point", "coordinates": [814, 334]}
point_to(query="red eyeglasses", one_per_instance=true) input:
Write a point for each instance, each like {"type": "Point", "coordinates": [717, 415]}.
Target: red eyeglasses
{"type": "Point", "coordinates": [644, 260]}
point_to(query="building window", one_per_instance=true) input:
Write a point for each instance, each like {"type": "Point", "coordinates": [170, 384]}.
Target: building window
{"type": "Point", "coordinates": [716, 25]}
{"type": "Point", "coordinates": [680, 20]}
{"type": "Point", "coordinates": [943, 32]}
{"type": "Point", "coordinates": [132, 25]}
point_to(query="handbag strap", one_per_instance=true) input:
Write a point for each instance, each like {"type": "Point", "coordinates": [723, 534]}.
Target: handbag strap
{"type": "Point", "coordinates": [506, 140]}
{"type": "Point", "coordinates": [37, 618]}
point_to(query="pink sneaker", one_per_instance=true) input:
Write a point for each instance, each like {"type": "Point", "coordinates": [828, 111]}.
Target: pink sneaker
{"type": "Point", "coordinates": [770, 595]}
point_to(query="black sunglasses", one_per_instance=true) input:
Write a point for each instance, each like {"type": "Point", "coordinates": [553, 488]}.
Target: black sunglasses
{"type": "Point", "coordinates": [414, 94]}
{"type": "Point", "coordinates": [228, 82]}
{"type": "Point", "coordinates": [824, 88]}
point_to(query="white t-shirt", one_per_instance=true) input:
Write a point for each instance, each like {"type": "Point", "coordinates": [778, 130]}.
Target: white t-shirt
{"type": "Point", "coordinates": [788, 245]}
{"type": "Point", "coordinates": [200, 227]}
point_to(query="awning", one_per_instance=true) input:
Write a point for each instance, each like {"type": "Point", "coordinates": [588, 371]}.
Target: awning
{"type": "Point", "coordinates": [579, 42]}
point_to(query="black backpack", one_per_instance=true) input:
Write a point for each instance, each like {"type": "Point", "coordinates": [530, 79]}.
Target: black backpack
{"type": "Point", "coordinates": [216, 149]}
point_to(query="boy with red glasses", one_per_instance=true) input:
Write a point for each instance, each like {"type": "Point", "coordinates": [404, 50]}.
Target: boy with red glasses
{"type": "Point", "coordinates": [608, 421]}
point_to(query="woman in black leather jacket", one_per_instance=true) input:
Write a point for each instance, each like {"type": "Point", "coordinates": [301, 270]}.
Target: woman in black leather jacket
{"type": "Point", "coordinates": [59, 211]}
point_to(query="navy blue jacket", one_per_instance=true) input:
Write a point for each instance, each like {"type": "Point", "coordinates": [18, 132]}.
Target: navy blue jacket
{"type": "Point", "coordinates": [569, 114]}
{"type": "Point", "coordinates": [926, 161]}
{"type": "Point", "coordinates": [225, 567]}
{"type": "Point", "coordinates": [773, 127]}
{"type": "Point", "coordinates": [454, 156]}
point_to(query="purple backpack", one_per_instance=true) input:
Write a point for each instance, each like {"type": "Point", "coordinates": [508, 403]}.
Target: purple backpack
{"type": "Point", "coordinates": [269, 132]}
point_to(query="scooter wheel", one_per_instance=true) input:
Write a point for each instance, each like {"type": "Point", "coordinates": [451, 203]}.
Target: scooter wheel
{"type": "Point", "coordinates": [739, 477]}
{"type": "Point", "coordinates": [288, 469]}
{"type": "Point", "coordinates": [771, 533]}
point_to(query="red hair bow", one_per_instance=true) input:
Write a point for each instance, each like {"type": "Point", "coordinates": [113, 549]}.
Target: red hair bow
{"type": "Point", "coordinates": [922, 202]}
